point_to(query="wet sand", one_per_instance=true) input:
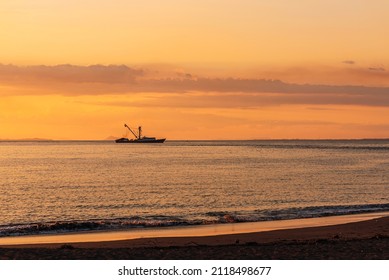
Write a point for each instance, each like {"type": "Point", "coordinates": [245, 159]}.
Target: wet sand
{"type": "Point", "coordinates": [344, 237]}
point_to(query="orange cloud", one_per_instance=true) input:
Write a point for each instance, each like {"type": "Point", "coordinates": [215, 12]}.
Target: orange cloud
{"type": "Point", "coordinates": [66, 73]}
{"type": "Point", "coordinates": [70, 80]}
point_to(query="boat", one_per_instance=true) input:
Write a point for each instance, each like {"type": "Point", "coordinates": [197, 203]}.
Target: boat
{"type": "Point", "coordinates": [139, 138]}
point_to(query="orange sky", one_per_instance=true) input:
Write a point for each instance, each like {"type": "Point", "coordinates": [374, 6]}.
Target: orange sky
{"type": "Point", "coordinates": [218, 69]}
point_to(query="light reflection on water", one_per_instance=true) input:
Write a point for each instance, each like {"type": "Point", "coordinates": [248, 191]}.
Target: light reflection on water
{"type": "Point", "coordinates": [67, 181]}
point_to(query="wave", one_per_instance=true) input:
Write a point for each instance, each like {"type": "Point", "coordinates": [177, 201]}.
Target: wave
{"type": "Point", "coordinates": [372, 145]}
{"type": "Point", "coordinates": [217, 217]}
{"type": "Point", "coordinates": [356, 144]}
{"type": "Point", "coordinates": [92, 225]}
{"type": "Point", "coordinates": [324, 147]}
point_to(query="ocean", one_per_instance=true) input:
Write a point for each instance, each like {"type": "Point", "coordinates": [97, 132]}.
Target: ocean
{"type": "Point", "coordinates": [73, 186]}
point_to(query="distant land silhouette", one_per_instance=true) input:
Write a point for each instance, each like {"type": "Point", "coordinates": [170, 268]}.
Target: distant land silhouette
{"type": "Point", "coordinates": [27, 139]}
{"type": "Point", "coordinates": [111, 137]}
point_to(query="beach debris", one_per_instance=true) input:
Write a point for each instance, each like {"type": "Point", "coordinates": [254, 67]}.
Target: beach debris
{"type": "Point", "coordinates": [67, 247]}
{"type": "Point", "coordinates": [229, 219]}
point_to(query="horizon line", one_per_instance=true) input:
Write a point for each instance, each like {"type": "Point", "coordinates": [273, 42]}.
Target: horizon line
{"type": "Point", "coordinates": [194, 140]}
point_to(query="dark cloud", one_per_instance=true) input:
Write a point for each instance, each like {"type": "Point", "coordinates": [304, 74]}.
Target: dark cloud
{"type": "Point", "coordinates": [249, 100]}
{"type": "Point", "coordinates": [380, 69]}
{"type": "Point", "coordinates": [351, 62]}
{"type": "Point", "coordinates": [253, 86]}
{"type": "Point", "coordinates": [66, 73]}
{"type": "Point", "coordinates": [71, 80]}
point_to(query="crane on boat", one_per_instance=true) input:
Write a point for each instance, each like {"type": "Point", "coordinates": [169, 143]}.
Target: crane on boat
{"type": "Point", "coordinates": [129, 128]}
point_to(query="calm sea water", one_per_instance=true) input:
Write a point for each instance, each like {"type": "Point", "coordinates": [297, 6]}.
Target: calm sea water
{"type": "Point", "coordinates": [74, 186]}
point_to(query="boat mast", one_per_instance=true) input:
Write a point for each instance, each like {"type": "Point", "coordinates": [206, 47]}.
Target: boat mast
{"type": "Point", "coordinates": [140, 132]}
{"type": "Point", "coordinates": [125, 125]}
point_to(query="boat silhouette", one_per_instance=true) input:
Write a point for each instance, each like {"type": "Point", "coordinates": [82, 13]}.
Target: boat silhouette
{"type": "Point", "coordinates": [139, 138]}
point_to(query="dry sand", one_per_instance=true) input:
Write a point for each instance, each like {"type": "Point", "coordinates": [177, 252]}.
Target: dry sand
{"type": "Point", "coordinates": [344, 237]}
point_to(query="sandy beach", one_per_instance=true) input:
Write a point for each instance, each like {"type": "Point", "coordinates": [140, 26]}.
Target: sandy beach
{"type": "Point", "coordinates": [364, 236]}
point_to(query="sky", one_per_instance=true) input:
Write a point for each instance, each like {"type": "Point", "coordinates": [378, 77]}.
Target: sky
{"type": "Point", "coordinates": [185, 69]}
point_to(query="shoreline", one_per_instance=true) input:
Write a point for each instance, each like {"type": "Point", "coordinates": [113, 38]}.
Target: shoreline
{"type": "Point", "coordinates": [366, 239]}
{"type": "Point", "coordinates": [189, 232]}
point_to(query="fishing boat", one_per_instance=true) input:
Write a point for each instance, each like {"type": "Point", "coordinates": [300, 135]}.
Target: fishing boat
{"type": "Point", "coordinates": [139, 138]}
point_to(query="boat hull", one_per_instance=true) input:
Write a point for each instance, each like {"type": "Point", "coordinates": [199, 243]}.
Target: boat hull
{"type": "Point", "coordinates": [139, 141]}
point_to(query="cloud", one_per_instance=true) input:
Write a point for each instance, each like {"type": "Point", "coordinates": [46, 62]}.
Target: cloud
{"type": "Point", "coordinates": [253, 86]}
{"type": "Point", "coordinates": [72, 80]}
{"type": "Point", "coordinates": [66, 73]}
{"type": "Point", "coordinates": [380, 69]}
{"type": "Point", "coordinates": [351, 62]}
{"type": "Point", "coordinates": [246, 100]}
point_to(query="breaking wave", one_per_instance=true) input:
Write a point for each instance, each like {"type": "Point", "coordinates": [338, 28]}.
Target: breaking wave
{"type": "Point", "coordinates": [56, 227]}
